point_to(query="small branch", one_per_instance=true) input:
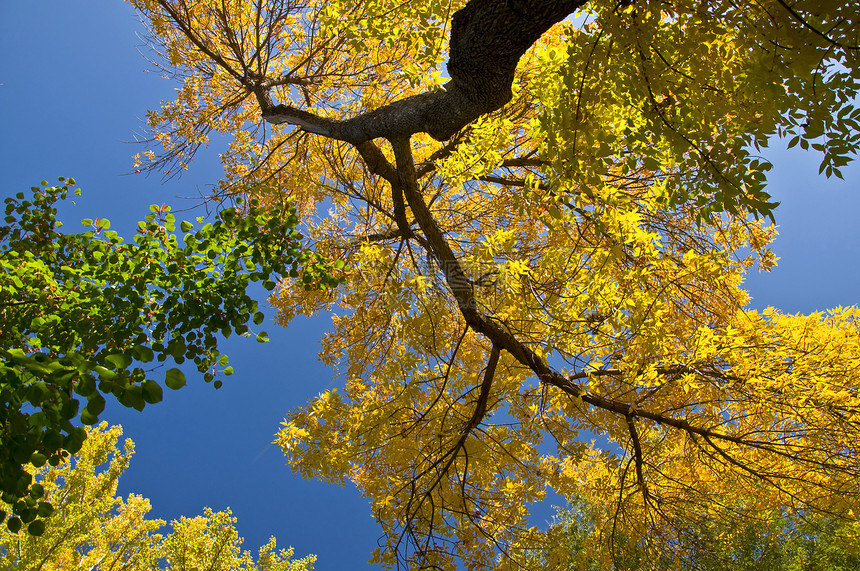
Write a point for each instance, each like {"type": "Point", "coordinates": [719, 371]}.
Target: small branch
{"type": "Point", "coordinates": [813, 29]}
{"type": "Point", "coordinates": [486, 384]}
{"type": "Point", "coordinates": [428, 165]}
{"type": "Point", "coordinates": [382, 237]}
{"type": "Point", "coordinates": [637, 455]}
{"type": "Point", "coordinates": [185, 28]}
{"type": "Point", "coordinates": [17, 303]}
{"type": "Point", "coordinates": [524, 162]}
{"type": "Point", "coordinates": [443, 464]}
{"type": "Point", "coordinates": [287, 80]}
{"type": "Point", "coordinates": [510, 182]}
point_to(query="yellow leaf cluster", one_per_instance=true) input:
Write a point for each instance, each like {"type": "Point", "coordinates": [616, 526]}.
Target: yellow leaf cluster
{"type": "Point", "coordinates": [92, 528]}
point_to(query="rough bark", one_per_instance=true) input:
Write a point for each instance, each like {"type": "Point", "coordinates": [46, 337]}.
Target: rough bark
{"type": "Point", "coordinates": [488, 38]}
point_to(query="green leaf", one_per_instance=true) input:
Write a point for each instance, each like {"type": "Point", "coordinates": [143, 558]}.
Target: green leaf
{"type": "Point", "coordinates": [119, 361]}
{"type": "Point", "coordinates": [262, 337]}
{"type": "Point", "coordinates": [28, 515]}
{"type": "Point", "coordinates": [178, 350]}
{"type": "Point", "coordinates": [85, 386]}
{"type": "Point", "coordinates": [133, 397]}
{"type": "Point", "coordinates": [95, 404]}
{"type": "Point", "coordinates": [88, 417]}
{"type": "Point", "coordinates": [228, 371]}
{"type": "Point", "coordinates": [52, 441]}
{"type": "Point", "coordinates": [36, 528]}
{"type": "Point", "coordinates": [45, 509]}
{"type": "Point", "coordinates": [174, 379]}
{"type": "Point", "coordinates": [115, 304]}
{"type": "Point", "coordinates": [143, 354]}
{"type": "Point", "coordinates": [13, 524]}
{"type": "Point", "coordinates": [152, 392]}
{"type": "Point", "coordinates": [104, 374]}
{"type": "Point", "coordinates": [75, 439]}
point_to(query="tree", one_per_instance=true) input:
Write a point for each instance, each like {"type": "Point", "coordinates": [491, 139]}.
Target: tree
{"type": "Point", "coordinates": [88, 315]}
{"type": "Point", "coordinates": [766, 542]}
{"type": "Point", "coordinates": [94, 529]}
{"type": "Point", "coordinates": [546, 248]}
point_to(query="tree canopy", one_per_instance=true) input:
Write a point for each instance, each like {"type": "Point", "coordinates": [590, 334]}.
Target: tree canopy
{"type": "Point", "coordinates": [87, 315]}
{"type": "Point", "coordinates": [546, 209]}
{"type": "Point", "coordinates": [754, 542]}
{"type": "Point", "coordinates": [92, 528]}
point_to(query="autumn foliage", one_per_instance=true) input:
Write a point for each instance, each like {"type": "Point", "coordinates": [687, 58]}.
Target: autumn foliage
{"type": "Point", "coordinates": [93, 528]}
{"type": "Point", "coordinates": [547, 210]}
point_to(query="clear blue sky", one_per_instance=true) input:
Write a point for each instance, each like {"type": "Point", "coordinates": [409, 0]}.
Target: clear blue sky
{"type": "Point", "coordinates": [73, 87]}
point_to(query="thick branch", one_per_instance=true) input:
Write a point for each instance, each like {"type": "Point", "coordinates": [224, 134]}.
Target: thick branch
{"type": "Point", "coordinates": [637, 456]}
{"type": "Point", "coordinates": [488, 38]}
{"type": "Point", "coordinates": [501, 337]}
{"type": "Point", "coordinates": [377, 163]}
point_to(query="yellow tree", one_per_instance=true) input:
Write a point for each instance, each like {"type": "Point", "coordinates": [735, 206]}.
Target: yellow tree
{"type": "Point", "coordinates": [92, 528]}
{"type": "Point", "coordinates": [547, 209]}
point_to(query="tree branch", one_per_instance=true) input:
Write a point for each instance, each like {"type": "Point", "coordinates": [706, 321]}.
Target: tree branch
{"type": "Point", "coordinates": [488, 38]}
{"type": "Point", "coordinates": [501, 337]}
{"type": "Point", "coordinates": [637, 456]}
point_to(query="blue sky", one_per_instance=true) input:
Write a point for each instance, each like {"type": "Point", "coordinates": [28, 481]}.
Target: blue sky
{"type": "Point", "coordinates": [73, 89]}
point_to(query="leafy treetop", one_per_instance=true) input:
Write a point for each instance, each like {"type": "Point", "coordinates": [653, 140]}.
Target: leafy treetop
{"type": "Point", "coordinates": [751, 541]}
{"type": "Point", "coordinates": [92, 528]}
{"type": "Point", "coordinates": [87, 315]}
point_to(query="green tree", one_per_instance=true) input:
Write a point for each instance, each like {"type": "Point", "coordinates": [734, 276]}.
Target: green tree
{"type": "Point", "coordinates": [583, 538]}
{"type": "Point", "coordinates": [94, 529]}
{"type": "Point", "coordinates": [87, 315]}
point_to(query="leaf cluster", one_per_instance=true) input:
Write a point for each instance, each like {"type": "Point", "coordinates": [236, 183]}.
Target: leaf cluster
{"type": "Point", "coordinates": [691, 96]}
{"type": "Point", "coordinates": [94, 528]}
{"type": "Point", "coordinates": [583, 539]}
{"type": "Point", "coordinates": [88, 315]}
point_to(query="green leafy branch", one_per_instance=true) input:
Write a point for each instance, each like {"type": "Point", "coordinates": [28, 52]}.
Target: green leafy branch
{"type": "Point", "coordinates": [88, 315]}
